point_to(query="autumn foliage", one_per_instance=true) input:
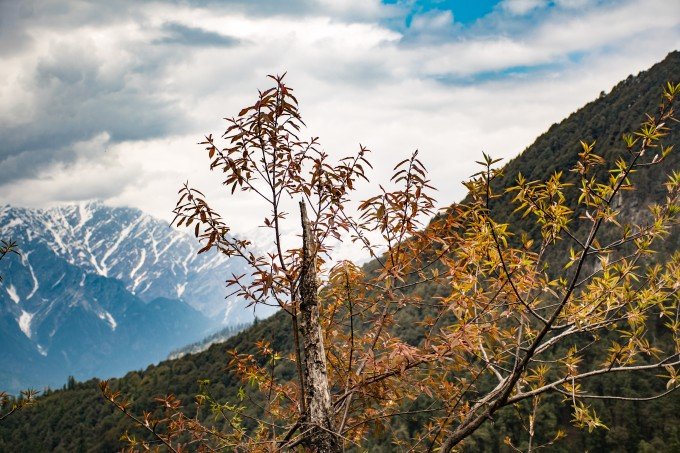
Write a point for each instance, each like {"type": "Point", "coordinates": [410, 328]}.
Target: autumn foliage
{"type": "Point", "coordinates": [505, 327]}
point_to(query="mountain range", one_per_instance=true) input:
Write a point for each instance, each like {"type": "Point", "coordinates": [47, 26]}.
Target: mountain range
{"type": "Point", "coordinates": [98, 291]}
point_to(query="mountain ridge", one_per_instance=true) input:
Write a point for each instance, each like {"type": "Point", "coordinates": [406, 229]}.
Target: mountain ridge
{"type": "Point", "coordinates": [129, 245]}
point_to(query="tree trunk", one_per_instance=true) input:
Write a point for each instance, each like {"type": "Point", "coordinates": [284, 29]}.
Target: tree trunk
{"type": "Point", "coordinates": [319, 418]}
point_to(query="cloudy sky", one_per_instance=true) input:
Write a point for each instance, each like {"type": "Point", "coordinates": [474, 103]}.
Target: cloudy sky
{"type": "Point", "coordinates": [107, 100]}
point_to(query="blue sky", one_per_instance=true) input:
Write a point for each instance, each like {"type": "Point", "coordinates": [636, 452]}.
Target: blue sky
{"type": "Point", "coordinates": [107, 100]}
{"type": "Point", "coordinates": [464, 11]}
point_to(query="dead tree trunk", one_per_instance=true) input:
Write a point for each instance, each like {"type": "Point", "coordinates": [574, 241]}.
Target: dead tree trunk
{"type": "Point", "coordinates": [319, 417]}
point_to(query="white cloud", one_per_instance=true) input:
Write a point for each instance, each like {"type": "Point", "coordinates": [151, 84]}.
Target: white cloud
{"type": "Point", "coordinates": [572, 4]}
{"type": "Point", "coordinates": [368, 9]}
{"type": "Point", "coordinates": [520, 7]}
{"type": "Point", "coordinates": [432, 21]}
{"type": "Point", "coordinates": [130, 109]}
{"type": "Point", "coordinates": [85, 179]}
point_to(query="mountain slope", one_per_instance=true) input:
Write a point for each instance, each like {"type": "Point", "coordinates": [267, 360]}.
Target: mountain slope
{"type": "Point", "coordinates": [82, 324]}
{"type": "Point", "coordinates": [603, 121]}
{"type": "Point", "coordinates": [84, 417]}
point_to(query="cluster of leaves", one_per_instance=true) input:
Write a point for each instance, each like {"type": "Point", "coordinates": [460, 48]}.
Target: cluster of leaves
{"type": "Point", "coordinates": [266, 157]}
{"type": "Point", "coordinates": [10, 405]}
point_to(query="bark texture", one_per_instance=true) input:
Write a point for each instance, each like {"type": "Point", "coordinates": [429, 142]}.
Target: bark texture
{"type": "Point", "coordinates": [319, 409]}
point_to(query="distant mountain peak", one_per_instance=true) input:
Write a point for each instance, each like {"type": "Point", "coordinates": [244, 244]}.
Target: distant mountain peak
{"type": "Point", "coordinates": [150, 257]}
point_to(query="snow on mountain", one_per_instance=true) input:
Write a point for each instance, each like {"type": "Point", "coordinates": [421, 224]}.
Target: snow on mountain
{"type": "Point", "coordinates": [25, 323]}
{"type": "Point", "coordinates": [12, 292]}
{"type": "Point", "coordinates": [151, 258]}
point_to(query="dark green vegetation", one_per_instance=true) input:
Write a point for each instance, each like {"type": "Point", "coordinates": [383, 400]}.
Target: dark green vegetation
{"type": "Point", "coordinates": [78, 419]}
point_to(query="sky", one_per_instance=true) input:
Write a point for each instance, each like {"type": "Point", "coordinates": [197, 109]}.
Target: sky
{"type": "Point", "coordinates": [107, 100]}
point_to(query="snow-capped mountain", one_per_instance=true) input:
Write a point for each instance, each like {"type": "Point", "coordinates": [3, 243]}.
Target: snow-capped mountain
{"type": "Point", "coordinates": [151, 258]}
{"type": "Point", "coordinates": [98, 291]}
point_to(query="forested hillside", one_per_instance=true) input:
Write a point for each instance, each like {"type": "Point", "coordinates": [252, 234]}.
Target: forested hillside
{"type": "Point", "coordinates": [603, 121]}
{"type": "Point", "coordinates": [78, 419]}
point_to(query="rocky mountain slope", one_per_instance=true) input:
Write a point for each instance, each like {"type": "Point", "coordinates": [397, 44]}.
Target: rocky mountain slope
{"type": "Point", "coordinates": [147, 255]}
